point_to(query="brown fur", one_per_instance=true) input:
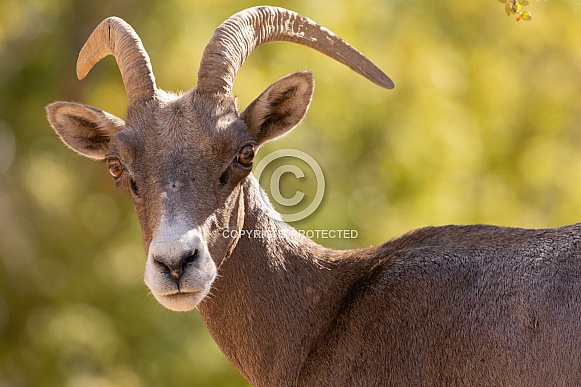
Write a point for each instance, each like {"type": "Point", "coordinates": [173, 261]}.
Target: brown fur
{"type": "Point", "coordinates": [444, 306]}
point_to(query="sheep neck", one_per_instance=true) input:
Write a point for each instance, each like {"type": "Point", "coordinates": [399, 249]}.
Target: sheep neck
{"type": "Point", "coordinates": [274, 295]}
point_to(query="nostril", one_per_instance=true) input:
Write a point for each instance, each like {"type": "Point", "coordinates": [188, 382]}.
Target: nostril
{"type": "Point", "coordinates": [191, 258]}
{"type": "Point", "coordinates": [175, 267]}
{"type": "Point", "coordinates": [188, 260]}
{"type": "Point", "coordinates": [160, 264]}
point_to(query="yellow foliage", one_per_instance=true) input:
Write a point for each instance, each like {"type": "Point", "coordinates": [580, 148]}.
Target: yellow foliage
{"type": "Point", "coordinates": [483, 126]}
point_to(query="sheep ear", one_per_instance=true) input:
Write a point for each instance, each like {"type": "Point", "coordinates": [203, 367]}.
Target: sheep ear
{"type": "Point", "coordinates": [280, 107]}
{"type": "Point", "coordinates": [84, 129]}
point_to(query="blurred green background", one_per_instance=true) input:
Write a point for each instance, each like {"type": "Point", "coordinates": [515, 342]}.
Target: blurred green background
{"type": "Point", "coordinates": [484, 126]}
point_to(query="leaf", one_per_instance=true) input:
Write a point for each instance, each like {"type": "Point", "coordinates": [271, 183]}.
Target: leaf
{"type": "Point", "coordinates": [526, 15]}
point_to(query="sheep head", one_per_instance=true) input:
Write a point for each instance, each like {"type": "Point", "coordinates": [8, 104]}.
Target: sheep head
{"type": "Point", "coordinates": [183, 158]}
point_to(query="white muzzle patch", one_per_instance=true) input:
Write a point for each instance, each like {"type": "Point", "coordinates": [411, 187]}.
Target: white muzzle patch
{"type": "Point", "coordinates": [179, 270]}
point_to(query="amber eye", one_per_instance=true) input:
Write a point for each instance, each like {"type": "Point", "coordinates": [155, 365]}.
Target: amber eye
{"type": "Point", "coordinates": [246, 155]}
{"type": "Point", "coordinates": [115, 168]}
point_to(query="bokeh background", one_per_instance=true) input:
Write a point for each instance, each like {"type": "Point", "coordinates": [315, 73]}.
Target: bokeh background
{"type": "Point", "coordinates": [484, 126]}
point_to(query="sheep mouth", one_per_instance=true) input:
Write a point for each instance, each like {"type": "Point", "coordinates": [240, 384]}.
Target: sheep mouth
{"type": "Point", "coordinates": [181, 301]}
{"type": "Point", "coordinates": [177, 294]}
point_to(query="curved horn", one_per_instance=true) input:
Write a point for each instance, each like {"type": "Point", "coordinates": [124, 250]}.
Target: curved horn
{"type": "Point", "coordinates": [235, 39]}
{"type": "Point", "coordinates": [115, 37]}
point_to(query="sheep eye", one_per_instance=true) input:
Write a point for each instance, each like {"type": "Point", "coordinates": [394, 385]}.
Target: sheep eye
{"type": "Point", "coordinates": [115, 168]}
{"type": "Point", "coordinates": [246, 155]}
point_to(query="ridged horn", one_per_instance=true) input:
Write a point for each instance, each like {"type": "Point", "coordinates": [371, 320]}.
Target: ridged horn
{"type": "Point", "coordinates": [240, 34]}
{"type": "Point", "coordinates": [113, 36]}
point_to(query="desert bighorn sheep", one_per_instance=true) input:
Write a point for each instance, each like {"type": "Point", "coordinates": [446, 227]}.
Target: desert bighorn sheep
{"type": "Point", "coordinates": [440, 306]}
